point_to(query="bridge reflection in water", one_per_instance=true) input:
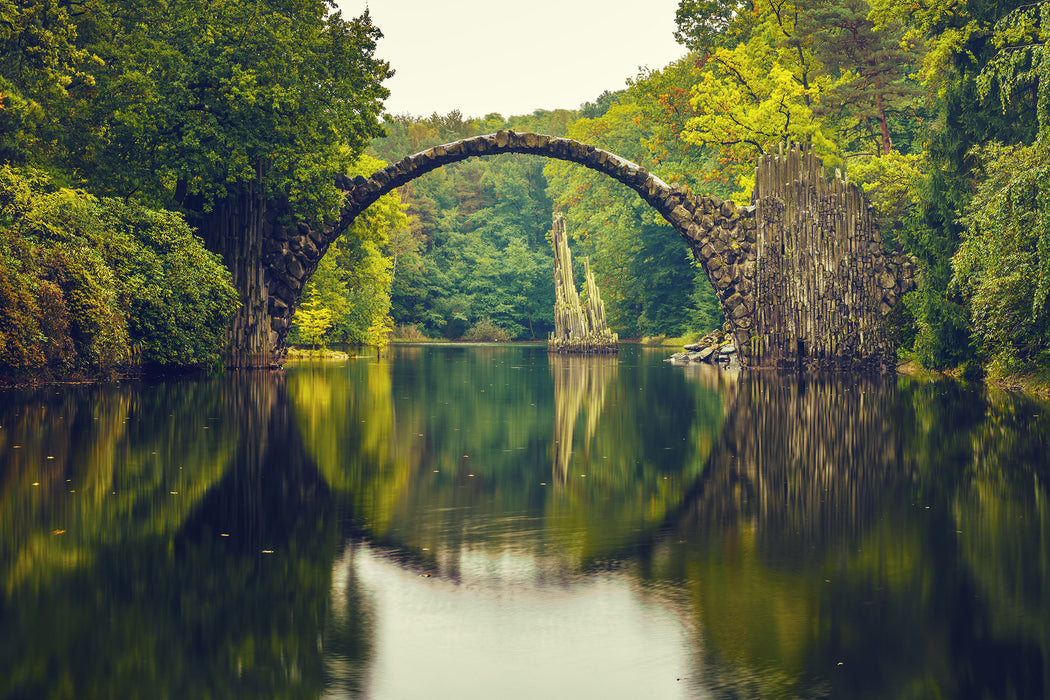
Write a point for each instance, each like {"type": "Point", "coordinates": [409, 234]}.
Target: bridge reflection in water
{"type": "Point", "coordinates": [816, 537]}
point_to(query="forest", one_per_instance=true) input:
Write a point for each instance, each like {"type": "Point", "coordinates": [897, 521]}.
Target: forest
{"type": "Point", "coordinates": [123, 130]}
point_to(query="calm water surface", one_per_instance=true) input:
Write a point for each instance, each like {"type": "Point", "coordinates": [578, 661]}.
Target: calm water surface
{"type": "Point", "coordinates": [483, 522]}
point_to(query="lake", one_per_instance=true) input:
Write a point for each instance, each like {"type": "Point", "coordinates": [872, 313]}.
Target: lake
{"type": "Point", "coordinates": [490, 521]}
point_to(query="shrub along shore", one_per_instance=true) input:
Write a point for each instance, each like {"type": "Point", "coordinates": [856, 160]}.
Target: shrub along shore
{"type": "Point", "coordinates": [91, 286]}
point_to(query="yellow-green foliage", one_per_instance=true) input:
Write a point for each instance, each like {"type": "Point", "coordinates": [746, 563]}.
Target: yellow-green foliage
{"type": "Point", "coordinates": [92, 284]}
{"type": "Point", "coordinates": [757, 94]}
{"type": "Point", "coordinates": [348, 297]}
{"type": "Point", "coordinates": [1002, 267]}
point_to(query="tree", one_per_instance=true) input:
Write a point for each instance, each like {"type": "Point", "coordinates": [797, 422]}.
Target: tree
{"type": "Point", "coordinates": [761, 92]}
{"type": "Point", "coordinates": [1002, 266]}
{"type": "Point", "coordinates": [313, 319]}
{"type": "Point", "coordinates": [353, 279]}
{"type": "Point", "coordinates": [959, 42]}
{"type": "Point", "coordinates": [237, 112]}
{"type": "Point", "coordinates": [43, 68]}
{"type": "Point", "coordinates": [876, 91]}
{"type": "Point", "coordinates": [702, 25]}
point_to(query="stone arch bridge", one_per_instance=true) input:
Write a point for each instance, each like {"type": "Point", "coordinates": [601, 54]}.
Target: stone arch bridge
{"type": "Point", "coordinates": [801, 273]}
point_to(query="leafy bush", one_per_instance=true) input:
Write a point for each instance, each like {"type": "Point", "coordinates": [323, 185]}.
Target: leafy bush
{"type": "Point", "coordinates": [409, 331]}
{"type": "Point", "coordinates": [485, 331]}
{"type": "Point", "coordinates": [89, 284]}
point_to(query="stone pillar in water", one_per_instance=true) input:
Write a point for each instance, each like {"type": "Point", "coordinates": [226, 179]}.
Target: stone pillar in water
{"type": "Point", "coordinates": [578, 327]}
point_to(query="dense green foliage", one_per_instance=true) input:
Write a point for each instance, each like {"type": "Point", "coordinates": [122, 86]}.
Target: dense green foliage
{"type": "Point", "coordinates": [192, 100]}
{"type": "Point", "coordinates": [966, 47]}
{"type": "Point", "coordinates": [479, 247]}
{"type": "Point", "coordinates": [89, 283]}
{"type": "Point", "coordinates": [940, 110]}
{"type": "Point", "coordinates": [348, 298]}
{"type": "Point", "coordinates": [1003, 264]}
{"type": "Point", "coordinates": [192, 107]}
{"type": "Point", "coordinates": [477, 244]}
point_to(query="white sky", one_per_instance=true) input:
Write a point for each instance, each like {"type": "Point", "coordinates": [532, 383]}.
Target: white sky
{"type": "Point", "coordinates": [484, 56]}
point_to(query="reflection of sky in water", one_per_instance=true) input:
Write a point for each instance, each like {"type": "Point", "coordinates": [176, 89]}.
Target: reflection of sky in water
{"type": "Point", "coordinates": [500, 631]}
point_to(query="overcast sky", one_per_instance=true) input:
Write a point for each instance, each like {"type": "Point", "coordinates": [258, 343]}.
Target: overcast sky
{"type": "Point", "coordinates": [483, 56]}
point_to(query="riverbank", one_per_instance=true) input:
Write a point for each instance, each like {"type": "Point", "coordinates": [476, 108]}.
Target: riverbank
{"type": "Point", "coordinates": [318, 354]}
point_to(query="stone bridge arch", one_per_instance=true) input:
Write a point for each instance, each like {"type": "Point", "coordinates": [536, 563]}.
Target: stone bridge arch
{"type": "Point", "coordinates": [783, 302]}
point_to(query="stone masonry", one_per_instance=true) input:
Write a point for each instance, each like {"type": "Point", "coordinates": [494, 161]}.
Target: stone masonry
{"type": "Point", "coordinates": [801, 274]}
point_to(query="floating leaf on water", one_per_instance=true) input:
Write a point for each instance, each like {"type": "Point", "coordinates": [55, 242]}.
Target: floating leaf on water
{"type": "Point", "coordinates": [58, 532]}
{"type": "Point", "coordinates": [36, 483]}
{"type": "Point", "coordinates": [174, 493]}
{"type": "Point", "coordinates": [425, 575]}
{"type": "Point", "coordinates": [224, 534]}
{"type": "Point", "coordinates": [267, 551]}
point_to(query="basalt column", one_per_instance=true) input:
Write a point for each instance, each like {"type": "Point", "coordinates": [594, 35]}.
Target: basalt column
{"type": "Point", "coordinates": [238, 228]}
{"type": "Point", "coordinates": [823, 280]}
{"type": "Point", "coordinates": [578, 327]}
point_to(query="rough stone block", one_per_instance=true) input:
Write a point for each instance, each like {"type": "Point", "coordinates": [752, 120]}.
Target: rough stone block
{"type": "Point", "coordinates": [681, 216]}
{"type": "Point", "coordinates": [295, 269]}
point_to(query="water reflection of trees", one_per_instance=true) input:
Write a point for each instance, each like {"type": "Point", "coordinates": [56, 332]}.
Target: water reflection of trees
{"type": "Point", "coordinates": [894, 528]}
{"type": "Point", "coordinates": [146, 571]}
{"type": "Point", "coordinates": [852, 538]}
{"type": "Point", "coordinates": [451, 450]}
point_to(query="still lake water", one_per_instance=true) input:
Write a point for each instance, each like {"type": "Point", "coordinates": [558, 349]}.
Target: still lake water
{"type": "Point", "coordinates": [491, 522]}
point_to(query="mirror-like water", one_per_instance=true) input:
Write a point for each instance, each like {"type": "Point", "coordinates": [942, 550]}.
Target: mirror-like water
{"type": "Point", "coordinates": [477, 522]}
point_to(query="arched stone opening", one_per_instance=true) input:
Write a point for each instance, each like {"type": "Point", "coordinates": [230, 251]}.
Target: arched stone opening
{"type": "Point", "coordinates": [804, 262]}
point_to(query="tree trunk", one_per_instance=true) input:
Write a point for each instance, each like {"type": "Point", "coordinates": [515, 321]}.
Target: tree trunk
{"type": "Point", "coordinates": [887, 145]}
{"type": "Point", "coordinates": [237, 228]}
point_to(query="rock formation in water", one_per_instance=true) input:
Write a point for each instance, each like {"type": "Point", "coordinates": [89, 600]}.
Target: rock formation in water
{"type": "Point", "coordinates": [578, 327]}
